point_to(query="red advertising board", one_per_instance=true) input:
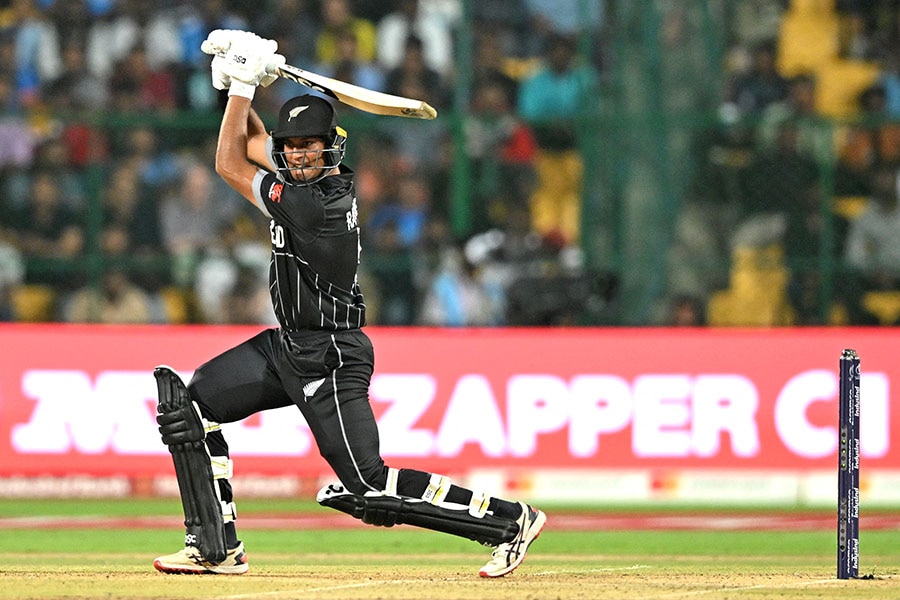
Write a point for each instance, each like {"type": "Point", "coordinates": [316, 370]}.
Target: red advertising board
{"type": "Point", "coordinates": [81, 399]}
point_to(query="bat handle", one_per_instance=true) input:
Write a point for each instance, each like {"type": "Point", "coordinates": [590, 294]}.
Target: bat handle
{"type": "Point", "coordinates": [274, 64]}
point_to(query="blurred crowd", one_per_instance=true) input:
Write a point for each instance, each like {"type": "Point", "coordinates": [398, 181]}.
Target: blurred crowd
{"type": "Point", "coordinates": [110, 210]}
{"type": "Point", "coordinates": [803, 170]}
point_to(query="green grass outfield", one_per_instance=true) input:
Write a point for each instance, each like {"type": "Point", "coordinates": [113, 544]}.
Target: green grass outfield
{"type": "Point", "coordinates": [84, 559]}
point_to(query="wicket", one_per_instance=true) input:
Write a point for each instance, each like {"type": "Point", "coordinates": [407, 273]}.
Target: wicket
{"type": "Point", "coordinates": [848, 467]}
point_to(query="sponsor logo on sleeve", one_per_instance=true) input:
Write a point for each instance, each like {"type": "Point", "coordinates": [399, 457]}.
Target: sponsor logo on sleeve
{"type": "Point", "coordinates": [275, 192]}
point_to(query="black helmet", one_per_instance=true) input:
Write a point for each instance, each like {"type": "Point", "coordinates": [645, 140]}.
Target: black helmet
{"type": "Point", "coordinates": [308, 116]}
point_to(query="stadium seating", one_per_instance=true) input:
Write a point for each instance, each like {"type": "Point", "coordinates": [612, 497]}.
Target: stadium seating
{"type": "Point", "coordinates": [757, 295]}
{"type": "Point", "coordinates": [809, 41]}
{"type": "Point", "coordinates": [32, 303]}
{"type": "Point", "coordinates": [808, 38]}
{"type": "Point", "coordinates": [885, 305]}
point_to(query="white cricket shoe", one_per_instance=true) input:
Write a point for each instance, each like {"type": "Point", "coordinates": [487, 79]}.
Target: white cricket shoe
{"type": "Point", "coordinates": [509, 555]}
{"type": "Point", "coordinates": [189, 561]}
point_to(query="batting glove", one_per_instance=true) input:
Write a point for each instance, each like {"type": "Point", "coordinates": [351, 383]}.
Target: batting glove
{"type": "Point", "coordinates": [218, 41]}
{"type": "Point", "coordinates": [220, 80]}
{"type": "Point", "coordinates": [241, 57]}
{"type": "Point", "coordinates": [272, 64]}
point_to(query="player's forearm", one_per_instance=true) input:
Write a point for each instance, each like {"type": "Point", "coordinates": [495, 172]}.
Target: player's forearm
{"type": "Point", "coordinates": [231, 153]}
{"type": "Point", "coordinates": [255, 125]}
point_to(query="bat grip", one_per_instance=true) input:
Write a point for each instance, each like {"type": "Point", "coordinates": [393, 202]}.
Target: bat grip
{"type": "Point", "coordinates": [273, 65]}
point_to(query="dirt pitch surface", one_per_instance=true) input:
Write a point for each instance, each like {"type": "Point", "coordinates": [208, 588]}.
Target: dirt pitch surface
{"type": "Point", "coordinates": [559, 577]}
{"type": "Point", "coordinates": [448, 573]}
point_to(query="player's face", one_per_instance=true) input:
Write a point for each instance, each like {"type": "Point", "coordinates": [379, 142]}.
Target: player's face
{"type": "Point", "coordinates": [304, 157]}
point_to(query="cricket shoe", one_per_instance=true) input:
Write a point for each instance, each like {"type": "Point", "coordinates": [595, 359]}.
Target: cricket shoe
{"type": "Point", "coordinates": [509, 555]}
{"type": "Point", "coordinates": [189, 561]}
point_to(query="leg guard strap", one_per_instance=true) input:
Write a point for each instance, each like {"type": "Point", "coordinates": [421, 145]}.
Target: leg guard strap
{"type": "Point", "coordinates": [386, 511]}
{"type": "Point", "coordinates": [183, 431]}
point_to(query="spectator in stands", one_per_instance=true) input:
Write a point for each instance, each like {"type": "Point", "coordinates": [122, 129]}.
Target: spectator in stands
{"type": "Point", "coordinates": [398, 223]}
{"type": "Point", "coordinates": [885, 51]}
{"type": "Point", "coordinates": [418, 143]}
{"type": "Point", "coordinates": [505, 24]}
{"type": "Point", "coordinates": [455, 297]}
{"type": "Point", "coordinates": [550, 19]}
{"type": "Point", "coordinates": [77, 87]}
{"type": "Point", "coordinates": [686, 311]}
{"type": "Point", "coordinates": [395, 229]}
{"type": "Point", "coordinates": [772, 187]}
{"type": "Point", "coordinates": [871, 140]}
{"type": "Point", "coordinates": [858, 22]}
{"type": "Point", "coordinates": [72, 19]}
{"type": "Point", "coordinates": [196, 19]}
{"type": "Point", "coordinates": [136, 87]}
{"type": "Point", "coordinates": [337, 16]}
{"type": "Point", "coordinates": [116, 301]}
{"type": "Point", "coordinates": [188, 23]}
{"type": "Point", "coordinates": [76, 94]}
{"type": "Point", "coordinates": [158, 167]}
{"type": "Point", "coordinates": [192, 217]}
{"type": "Point", "coordinates": [235, 268]}
{"type": "Point", "coordinates": [550, 101]}
{"type": "Point", "coordinates": [413, 71]}
{"type": "Point", "coordinates": [502, 150]}
{"type": "Point", "coordinates": [491, 64]}
{"type": "Point", "coordinates": [248, 302]}
{"type": "Point", "coordinates": [110, 37]}
{"type": "Point", "coordinates": [295, 25]}
{"type": "Point", "coordinates": [814, 136]}
{"type": "Point", "coordinates": [753, 90]}
{"type": "Point", "coordinates": [349, 67]}
{"type": "Point", "coordinates": [873, 242]}
{"type": "Point", "coordinates": [130, 219]}
{"type": "Point", "coordinates": [18, 137]}
{"type": "Point", "coordinates": [37, 49]}
{"type": "Point", "coordinates": [783, 197]}
{"type": "Point", "coordinates": [44, 227]}
{"type": "Point", "coordinates": [408, 19]}
{"type": "Point", "coordinates": [12, 272]}
{"type": "Point", "coordinates": [54, 156]}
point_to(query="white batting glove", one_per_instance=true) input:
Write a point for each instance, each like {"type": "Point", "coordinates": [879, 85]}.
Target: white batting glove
{"type": "Point", "coordinates": [273, 62]}
{"type": "Point", "coordinates": [220, 80]}
{"type": "Point", "coordinates": [245, 63]}
{"type": "Point", "coordinates": [218, 41]}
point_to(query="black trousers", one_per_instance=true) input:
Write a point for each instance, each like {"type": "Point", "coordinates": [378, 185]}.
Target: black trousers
{"type": "Point", "coordinates": [325, 374]}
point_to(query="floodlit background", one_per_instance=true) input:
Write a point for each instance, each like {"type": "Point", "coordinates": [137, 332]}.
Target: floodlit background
{"type": "Point", "coordinates": [609, 189]}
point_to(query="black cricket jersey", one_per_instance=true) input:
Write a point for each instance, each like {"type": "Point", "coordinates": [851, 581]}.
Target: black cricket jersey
{"type": "Point", "coordinates": [315, 252]}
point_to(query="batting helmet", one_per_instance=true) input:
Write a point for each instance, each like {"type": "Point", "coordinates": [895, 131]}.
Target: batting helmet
{"type": "Point", "coordinates": [302, 117]}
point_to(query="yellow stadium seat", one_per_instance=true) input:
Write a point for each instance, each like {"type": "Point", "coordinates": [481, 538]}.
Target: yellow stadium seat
{"type": "Point", "coordinates": [850, 207]}
{"type": "Point", "coordinates": [34, 303]}
{"type": "Point", "coordinates": [839, 84]}
{"type": "Point", "coordinates": [812, 6]}
{"type": "Point", "coordinates": [807, 40]}
{"type": "Point", "coordinates": [757, 295]}
{"type": "Point", "coordinates": [884, 305]}
{"type": "Point", "coordinates": [176, 303]}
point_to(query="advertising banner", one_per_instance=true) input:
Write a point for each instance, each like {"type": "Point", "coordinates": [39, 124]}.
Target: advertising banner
{"type": "Point", "coordinates": [77, 399]}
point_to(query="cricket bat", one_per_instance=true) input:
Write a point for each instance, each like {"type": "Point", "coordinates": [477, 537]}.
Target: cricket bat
{"type": "Point", "coordinates": [358, 97]}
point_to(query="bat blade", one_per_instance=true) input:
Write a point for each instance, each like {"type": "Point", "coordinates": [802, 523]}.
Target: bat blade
{"type": "Point", "coordinates": [358, 97]}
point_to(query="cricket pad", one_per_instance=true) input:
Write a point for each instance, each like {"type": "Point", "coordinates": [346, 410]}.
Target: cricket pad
{"type": "Point", "coordinates": [387, 511]}
{"type": "Point", "coordinates": [183, 432]}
